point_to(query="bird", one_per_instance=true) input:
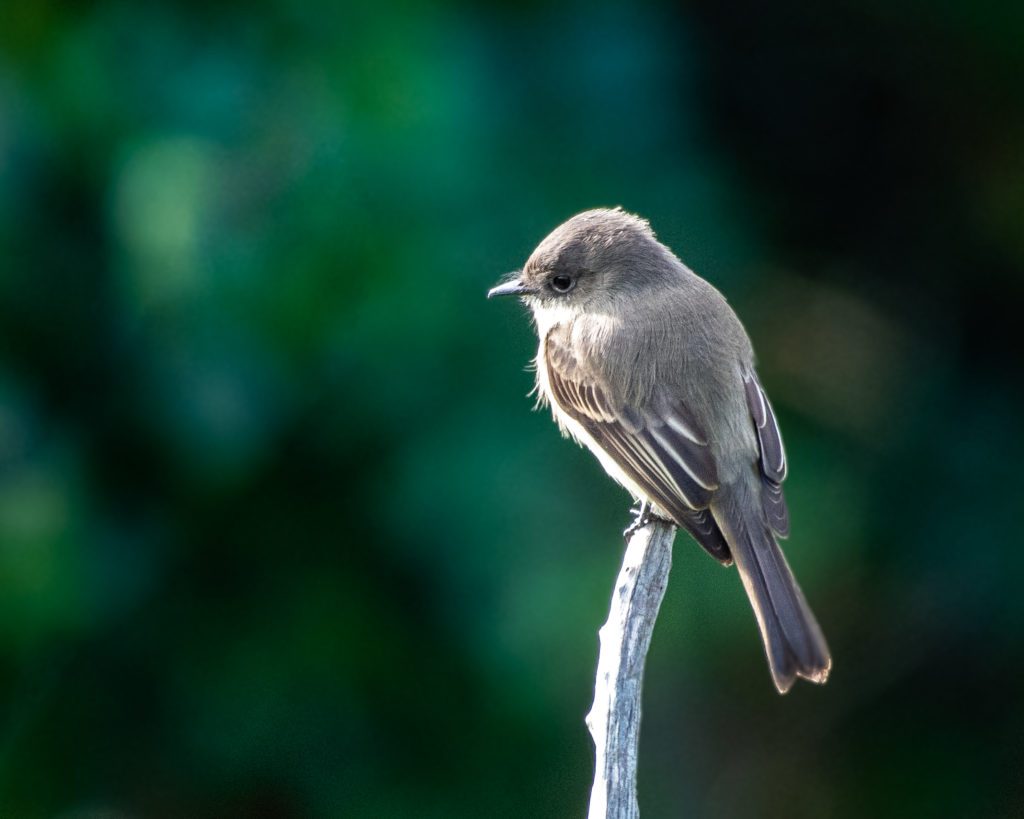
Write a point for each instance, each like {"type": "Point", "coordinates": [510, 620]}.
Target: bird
{"type": "Point", "coordinates": [644, 363]}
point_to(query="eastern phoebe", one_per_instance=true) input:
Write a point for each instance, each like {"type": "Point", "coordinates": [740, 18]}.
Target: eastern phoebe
{"type": "Point", "coordinates": [644, 362]}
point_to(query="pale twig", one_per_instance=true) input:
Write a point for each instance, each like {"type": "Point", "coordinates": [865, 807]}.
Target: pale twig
{"type": "Point", "coordinates": [614, 719]}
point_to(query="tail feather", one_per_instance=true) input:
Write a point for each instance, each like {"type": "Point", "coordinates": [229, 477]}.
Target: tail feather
{"type": "Point", "coordinates": [793, 640]}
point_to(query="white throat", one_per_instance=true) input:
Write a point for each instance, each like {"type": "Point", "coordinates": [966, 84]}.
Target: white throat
{"type": "Point", "coordinates": [549, 315]}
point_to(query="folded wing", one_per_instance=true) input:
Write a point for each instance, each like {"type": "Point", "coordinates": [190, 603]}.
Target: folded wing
{"type": "Point", "coordinates": [661, 448]}
{"type": "Point", "coordinates": [772, 457]}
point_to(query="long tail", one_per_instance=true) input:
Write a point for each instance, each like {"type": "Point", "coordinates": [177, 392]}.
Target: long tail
{"type": "Point", "coordinates": [792, 637]}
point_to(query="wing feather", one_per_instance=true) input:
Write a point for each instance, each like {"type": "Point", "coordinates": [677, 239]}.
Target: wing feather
{"type": "Point", "coordinates": [664, 453]}
{"type": "Point", "coordinates": [772, 456]}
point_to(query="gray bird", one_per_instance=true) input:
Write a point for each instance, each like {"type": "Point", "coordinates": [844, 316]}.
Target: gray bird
{"type": "Point", "coordinates": [644, 363]}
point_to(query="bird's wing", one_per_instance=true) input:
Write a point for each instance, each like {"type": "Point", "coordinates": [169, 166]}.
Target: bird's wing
{"type": "Point", "coordinates": [661, 448]}
{"type": "Point", "coordinates": [772, 457]}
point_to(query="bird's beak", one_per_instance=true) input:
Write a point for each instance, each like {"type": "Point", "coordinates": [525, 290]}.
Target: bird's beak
{"type": "Point", "coordinates": [514, 287]}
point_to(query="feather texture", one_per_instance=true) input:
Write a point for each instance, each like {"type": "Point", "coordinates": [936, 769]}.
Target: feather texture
{"type": "Point", "coordinates": [771, 456]}
{"type": "Point", "coordinates": [665, 454]}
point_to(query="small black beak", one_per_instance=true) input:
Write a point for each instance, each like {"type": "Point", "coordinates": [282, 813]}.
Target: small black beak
{"type": "Point", "coordinates": [512, 288]}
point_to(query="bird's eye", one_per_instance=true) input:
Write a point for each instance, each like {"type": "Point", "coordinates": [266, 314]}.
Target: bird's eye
{"type": "Point", "coordinates": [562, 283]}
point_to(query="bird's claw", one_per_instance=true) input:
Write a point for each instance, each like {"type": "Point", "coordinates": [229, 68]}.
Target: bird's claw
{"type": "Point", "coordinates": [643, 517]}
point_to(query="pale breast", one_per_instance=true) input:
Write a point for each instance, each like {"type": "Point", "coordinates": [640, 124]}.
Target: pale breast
{"type": "Point", "coordinates": [571, 427]}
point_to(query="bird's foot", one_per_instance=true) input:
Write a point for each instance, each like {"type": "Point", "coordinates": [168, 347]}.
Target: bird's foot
{"type": "Point", "coordinates": [643, 517]}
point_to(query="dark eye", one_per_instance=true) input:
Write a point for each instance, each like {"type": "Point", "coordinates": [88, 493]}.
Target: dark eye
{"type": "Point", "coordinates": [562, 283]}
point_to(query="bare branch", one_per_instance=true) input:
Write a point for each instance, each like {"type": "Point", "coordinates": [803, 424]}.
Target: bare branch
{"type": "Point", "coordinates": [614, 719]}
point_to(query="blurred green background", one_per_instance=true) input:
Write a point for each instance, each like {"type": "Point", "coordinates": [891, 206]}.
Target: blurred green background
{"type": "Point", "coordinates": [279, 534]}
